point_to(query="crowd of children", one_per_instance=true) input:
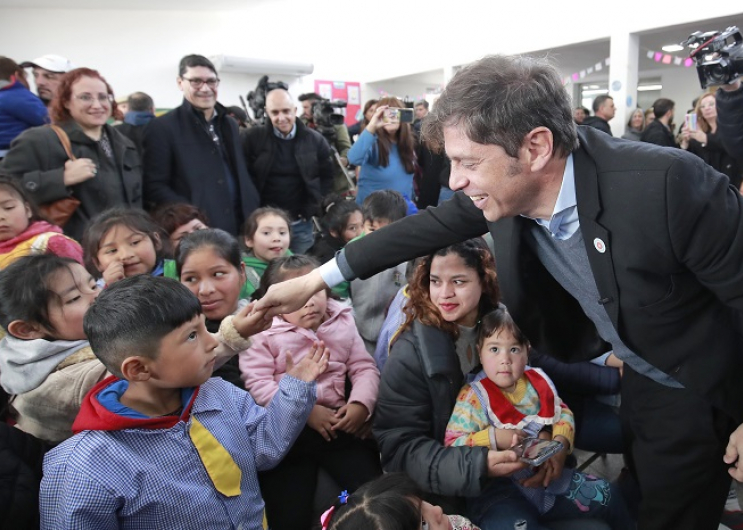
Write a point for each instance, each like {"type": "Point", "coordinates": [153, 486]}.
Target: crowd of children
{"type": "Point", "coordinates": [163, 399]}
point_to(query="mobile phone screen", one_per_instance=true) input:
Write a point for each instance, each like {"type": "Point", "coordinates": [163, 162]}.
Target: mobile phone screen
{"type": "Point", "coordinates": [536, 451]}
{"type": "Point", "coordinates": [391, 115]}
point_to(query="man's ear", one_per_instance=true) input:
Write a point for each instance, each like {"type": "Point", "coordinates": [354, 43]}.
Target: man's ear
{"type": "Point", "coordinates": [25, 331]}
{"type": "Point", "coordinates": [538, 148]}
{"type": "Point", "coordinates": [136, 368]}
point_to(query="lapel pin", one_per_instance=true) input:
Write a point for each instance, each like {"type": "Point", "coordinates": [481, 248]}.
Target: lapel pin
{"type": "Point", "coordinates": [599, 244]}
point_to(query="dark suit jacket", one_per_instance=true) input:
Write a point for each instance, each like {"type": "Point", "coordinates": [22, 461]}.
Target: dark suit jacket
{"type": "Point", "coordinates": [183, 164]}
{"type": "Point", "coordinates": [658, 134]}
{"type": "Point", "coordinates": [671, 277]}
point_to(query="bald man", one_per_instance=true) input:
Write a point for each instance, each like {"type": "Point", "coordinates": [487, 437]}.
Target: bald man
{"type": "Point", "coordinates": [290, 165]}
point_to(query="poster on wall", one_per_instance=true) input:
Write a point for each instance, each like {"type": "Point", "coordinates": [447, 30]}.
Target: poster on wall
{"type": "Point", "coordinates": [348, 91]}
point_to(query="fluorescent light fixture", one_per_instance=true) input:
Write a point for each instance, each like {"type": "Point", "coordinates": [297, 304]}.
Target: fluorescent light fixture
{"type": "Point", "coordinates": [595, 92]}
{"type": "Point", "coordinates": [645, 88]}
{"type": "Point", "coordinates": [672, 48]}
{"type": "Point", "coordinates": [592, 87]}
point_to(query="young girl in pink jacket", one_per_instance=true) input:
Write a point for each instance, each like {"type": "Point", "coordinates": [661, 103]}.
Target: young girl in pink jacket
{"type": "Point", "coordinates": [337, 436]}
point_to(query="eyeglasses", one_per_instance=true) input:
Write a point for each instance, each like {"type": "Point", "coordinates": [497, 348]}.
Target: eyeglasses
{"type": "Point", "coordinates": [103, 99]}
{"type": "Point", "coordinates": [198, 83]}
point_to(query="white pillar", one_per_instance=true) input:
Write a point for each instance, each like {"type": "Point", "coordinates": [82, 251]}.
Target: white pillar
{"type": "Point", "coordinates": [623, 78]}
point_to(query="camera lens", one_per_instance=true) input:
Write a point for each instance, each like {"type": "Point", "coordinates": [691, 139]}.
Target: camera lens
{"type": "Point", "coordinates": [717, 74]}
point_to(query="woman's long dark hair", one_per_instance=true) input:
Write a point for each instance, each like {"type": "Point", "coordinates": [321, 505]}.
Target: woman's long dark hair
{"type": "Point", "coordinates": [476, 255]}
{"type": "Point", "coordinates": [403, 138]}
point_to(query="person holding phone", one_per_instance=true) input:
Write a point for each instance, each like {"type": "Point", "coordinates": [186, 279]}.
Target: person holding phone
{"type": "Point", "coordinates": [699, 136]}
{"type": "Point", "coordinates": [508, 397]}
{"type": "Point", "coordinates": [385, 152]}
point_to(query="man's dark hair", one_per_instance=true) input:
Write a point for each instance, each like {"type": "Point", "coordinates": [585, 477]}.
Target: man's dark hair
{"type": "Point", "coordinates": [384, 204]}
{"type": "Point", "coordinates": [140, 102]}
{"type": "Point", "coordinates": [311, 96]}
{"type": "Point", "coordinates": [662, 106]}
{"type": "Point", "coordinates": [586, 112]}
{"type": "Point", "coordinates": [191, 61]}
{"type": "Point", "coordinates": [132, 316]}
{"type": "Point", "coordinates": [600, 101]}
{"type": "Point", "coordinates": [499, 99]}
{"type": "Point", "coordinates": [423, 103]}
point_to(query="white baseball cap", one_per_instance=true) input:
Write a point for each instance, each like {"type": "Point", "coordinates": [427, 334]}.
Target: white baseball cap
{"type": "Point", "coordinates": [53, 63]}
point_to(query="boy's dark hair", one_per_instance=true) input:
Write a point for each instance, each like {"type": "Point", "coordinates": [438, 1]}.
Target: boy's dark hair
{"type": "Point", "coordinates": [384, 204]}
{"type": "Point", "coordinates": [390, 502]}
{"type": "Point", "coordinates": [25, 292]}
{"type": "Point", "coordinates": [498, 320]}
{"type": "Point", "coordinates": [171, 216]}
{"type": "Point", "coordinates": [12, 185]}
{"type": "Point", "coordinates": [277, 270]}
{"type": "Point", "coordinates": [134, 219]}
{"type": "Point", "coordinates": [132, 316]}
{"type": "Point", "coordinates": [422, 103]}
{"type": "Point", "coordinates": [251, 225]}
{"type": "Point", "coordinates": [222, 243]}
{"type": "Point", "coordinates": [191, 61]}
{"type": "Point", "coordinates": [336, 210]}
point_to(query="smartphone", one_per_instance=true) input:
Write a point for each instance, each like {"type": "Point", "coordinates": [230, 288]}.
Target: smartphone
{"type": "Point", "coordinates": [396, 115]}
{"type": "Point", "coordinates": [691, 121]}
{"type": "Point", "coordinates": [536, 451]}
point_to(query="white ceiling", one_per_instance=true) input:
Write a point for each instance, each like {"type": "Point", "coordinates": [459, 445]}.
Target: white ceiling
{"type": "Point", "coordinates": [149, 5]}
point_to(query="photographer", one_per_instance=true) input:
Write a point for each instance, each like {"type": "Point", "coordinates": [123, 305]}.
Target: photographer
{"type": "Point", "coordinates": [729, 100]}
{"type": "Point", "coordinates": [337, 137]}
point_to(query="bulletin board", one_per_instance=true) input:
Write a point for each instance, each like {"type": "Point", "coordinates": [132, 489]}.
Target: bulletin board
{"type": "Point", "coordinates": [348, 91]}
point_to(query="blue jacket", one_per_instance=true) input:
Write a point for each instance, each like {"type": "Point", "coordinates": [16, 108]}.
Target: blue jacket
{"type": "Point", "coordinates": [19, 110]}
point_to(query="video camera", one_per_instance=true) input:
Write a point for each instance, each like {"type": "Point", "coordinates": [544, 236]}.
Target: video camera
{"type": "Point", "coordinates": [257, 97]}
{"type": "Point", "coordinates": [718, 55]}
{"type": "Point", "coordinates": [325, 118]}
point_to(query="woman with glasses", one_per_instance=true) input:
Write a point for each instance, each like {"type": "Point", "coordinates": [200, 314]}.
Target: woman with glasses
{"type": "Point", "coordinates": [106, 171]}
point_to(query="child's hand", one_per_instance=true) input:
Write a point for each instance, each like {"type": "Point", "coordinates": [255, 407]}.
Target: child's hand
{"type": "Point", "coordinates": [114, 272]}
{"type": "Point", "coordinates": [351, 417]}
{"type": "Point", "coordinates": [504, 437]}
{"type": "Point", "coordinates": [322, 419]}
{"type": "Point", "coordinates": [248, 323]}
{"type": "Point", "coordinates": [311, 366]}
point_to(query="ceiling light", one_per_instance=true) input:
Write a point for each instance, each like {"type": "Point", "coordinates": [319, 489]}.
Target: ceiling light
{"type": "Point", "coordinates": [595, 92]}
{"type": "Point", "coordinates": [672, 48]}
{"type": "Point", "coordinates": [645, 88]}
{"type": "Point", "coordinates": [592, 87]}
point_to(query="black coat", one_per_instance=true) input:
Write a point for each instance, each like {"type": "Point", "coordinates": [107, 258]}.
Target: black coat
{"type": "Point", "coordinates": [598, 123]}
{"type": "Point", "coordinates": [658, 134]}
{"type": "Point", "coordinates": [670, 279]}
{"type": "Point", "coordinates": [730, 122]}
{"type": "Point", "coordinates": [311, 152]}
{"type": "Point", "coordinates": [21, 457]}
{"type": "Point", "coordinates": [419, 387]}
{"type": "Point", "coordinates": [38, 159]}
{"type": "Point", "coordinates": [182, 164]}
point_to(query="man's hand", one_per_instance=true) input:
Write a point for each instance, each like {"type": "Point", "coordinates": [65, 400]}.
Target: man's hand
{"type": "Point", "coordinates": [732, 87]}
{"type": "Point", "coordinates": [288, 296]}
{"type": "Point", "coordinates": [556, 463]}
{"type": "Point", "coordinates": [248, 321]}
{"type": "Point", "coordinates": [322, 419]}
{"type": "Point", "coordinates": [504, 463]}
{"type": "Point", "coordinates": [733, 453]}
{"type": "Point", "coordinates": [311, 366]}
{"type": "Point", "coordinates": [351, 418]}
{"type": "Point", "coordinates": [114, 272]}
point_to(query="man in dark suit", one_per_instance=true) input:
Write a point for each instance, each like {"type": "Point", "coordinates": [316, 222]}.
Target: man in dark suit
{"type": "Point", "coordinates": [192, 154]}
{"type": "Point", "coordinates": [600, 244]}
